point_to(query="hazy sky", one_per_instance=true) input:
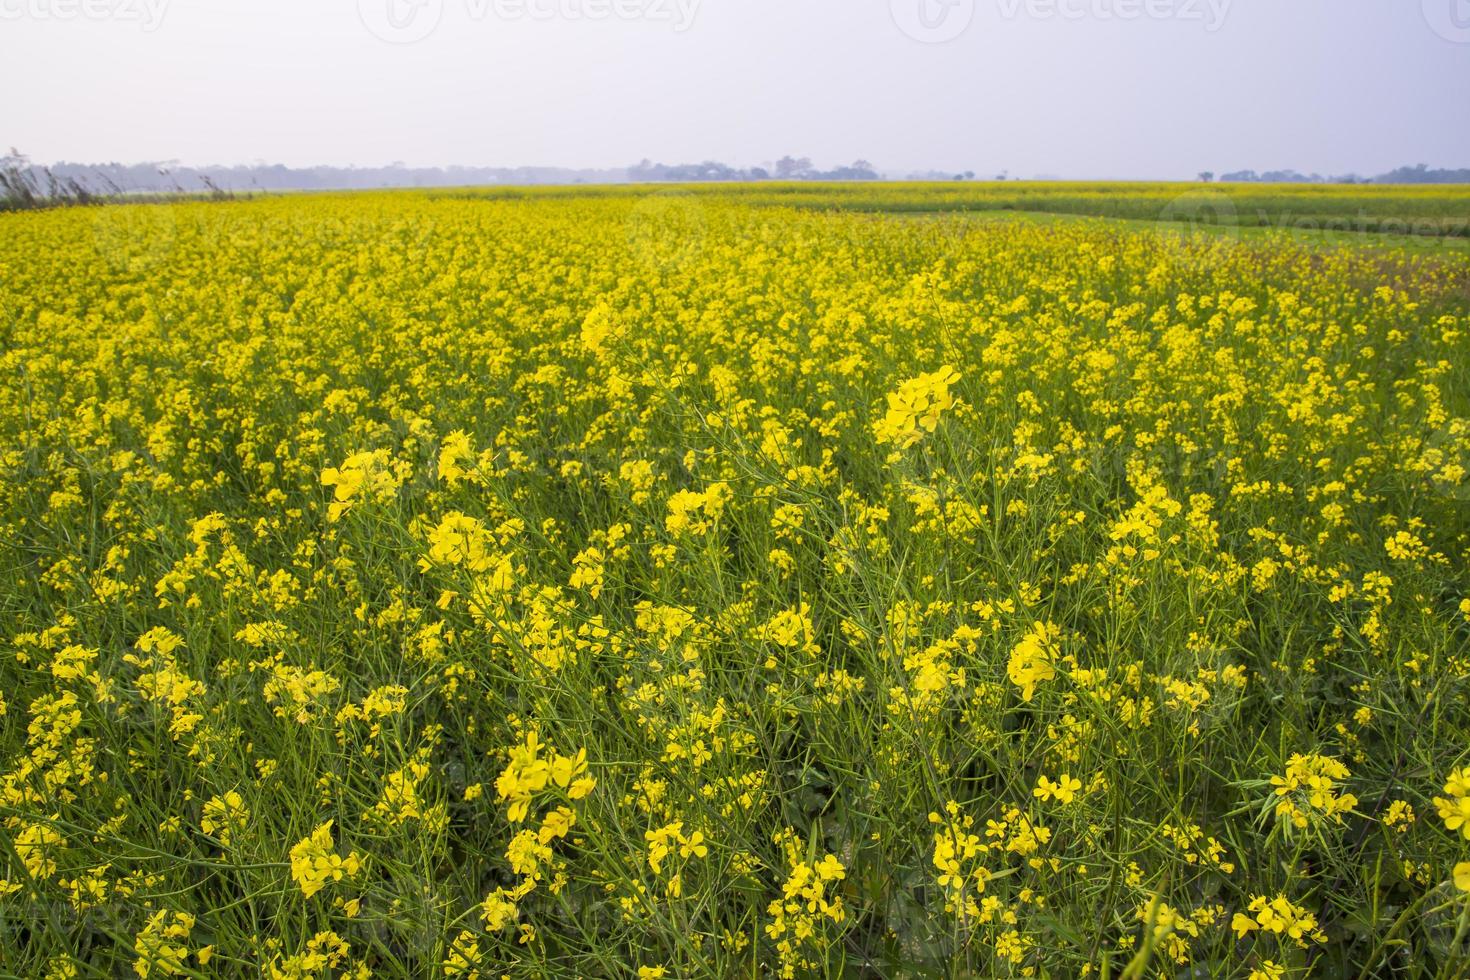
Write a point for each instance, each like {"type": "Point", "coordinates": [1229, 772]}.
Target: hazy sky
{"type": "Point", "coordinates": [1074, 88]}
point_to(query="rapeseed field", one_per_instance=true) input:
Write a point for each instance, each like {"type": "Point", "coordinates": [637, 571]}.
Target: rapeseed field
{"type": "Point", "coordinates": [652, 584]}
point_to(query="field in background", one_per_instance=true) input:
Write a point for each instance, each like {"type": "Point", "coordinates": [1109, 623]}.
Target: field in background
{"type": "Point", "coordinates": [1308, 235]}
{"type": "Point", "coordinates": [1432, 210]}
{"type": "Point", "coordinates": [719, 581]}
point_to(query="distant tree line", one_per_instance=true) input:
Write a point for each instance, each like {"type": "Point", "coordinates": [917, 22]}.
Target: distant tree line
{"type": "Point", "coordinates": [646, 171]}
{"type": "Point", "coordinates": [1417, 174]}
{"type": "Point", "coordinates": [786, 168]}
{"type": "Point", "coordinates": [26, 184]}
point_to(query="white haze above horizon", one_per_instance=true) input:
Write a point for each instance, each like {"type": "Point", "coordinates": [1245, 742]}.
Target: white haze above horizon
{"type": "Point", "coordinates": [1068, 88]}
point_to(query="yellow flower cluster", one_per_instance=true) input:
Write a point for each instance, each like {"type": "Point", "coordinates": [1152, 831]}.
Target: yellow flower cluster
{"type": "Point", "coordinates": [693, 512]}
{"type": "Point", "coordinates": [1278, 915]}
{"type": "Point", "coordinates": [163, 945]}
{"type": "Point", "coordinates": [1174, 930]}
{"type": "Point", "coordinates": [1309, 790]}
{"type": "Point", "coordinates": [315, 861]}
{"type": "Point", "coordinates": [1454, 806]}
{"type": "Point", "coordinates": [533, 768]}
{"type": "Point", "coordinates": [363, 477]}
{"type": "Point", "coordinates": [1063, 789]}
{"type": "Point", "coordinates": [957, 857]}
{"type": "Point", "coordinates": [224, 816]}
{"type": "Point", "coordinates": [800, 919]}
{"type": "Point", "coordinates": [1033, 659]}
{"type": "Point", "coordinates": [670, 840]}
{"type": "Point", "coordinates": [915, 408]}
